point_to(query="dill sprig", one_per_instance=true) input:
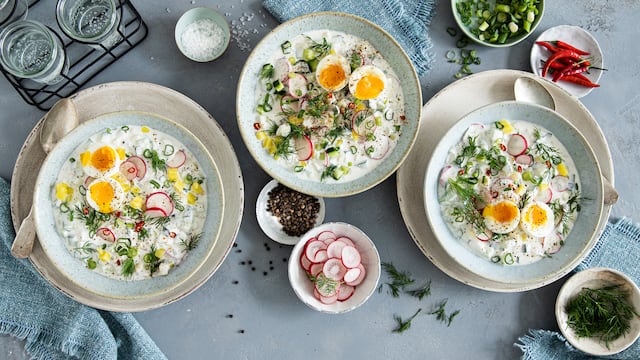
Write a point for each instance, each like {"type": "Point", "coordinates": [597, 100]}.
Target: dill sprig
{"type": "Point", "coordinates": [151, 261]}
{"type": "Point", "coordinates": [328, 171]}
{"type": "Point", "coordinates": [192, 242]}
{"type": "Point", "coordinates": [323, 283]}
{"type": "Point", "coordinates": [404, 325]}
{"type": "Point", "coordinates": [422, 291]}
{"type": "Point", "coordinates": [156, 162]}
{"type": "Point", "coordinates": [603, 313]}
{"type": "Point", "coordinates": [399, 279]}
{"type": "Point", "coordinates": [157, 221]}
{"type": "Point", "coordinates": [321, 49]}
{"type": "Point", "coordinates": [441, 314]}
{"type": "Point", "coordinates": [85, 248]}
{"type": "Point", "coordinates": [92, 218]}
{"type": "Point", "coordinates": [548, 153]}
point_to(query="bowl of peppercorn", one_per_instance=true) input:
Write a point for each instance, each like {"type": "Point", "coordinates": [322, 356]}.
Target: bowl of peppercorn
{"type": "Point", "coordinates": [285, 214]}
{"type": "Point", "coordinates": [597, 311]}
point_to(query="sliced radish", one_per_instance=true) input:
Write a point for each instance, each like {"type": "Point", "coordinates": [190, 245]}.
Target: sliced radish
{"type": "Point", "coordinates": [544, 195]}
{"type": "Point", "coordinates": [87, 181]}
{"type": "Point", "coordinates": [304, 147]}
{"type": "Point", "coordinates": [312, 247]}
{"type": "Point", "coordinates": [350, 256]}
{"type": "Point", "coordinates": [334, 250]}
{"type": "Point", "coordinates": [316, 269]}
{"type": "Point", "coordinates": [160, 200]}
{"type": "Point", "coordinates": [326, 235]}
{"type": "Point", "coordinates": [517, 145]}
{"type": "Point", "coordinates": [346, 240]}
{"type": "Point", "coordinates": [281, 69]}
{"type": "Point", "coordinates": [524, 159]}
{"type": "Point", "coordinates": [326, 288]}
{"type": "Point", "coordinates": [328, 300]}
{"type": "Point", "coordinates": [345, 291]}
{"type": "Point", "coordinates": [140, 164]}
{"type": "Point", "coordinates": [178, 159]}
{"type": "Point", "coordinates": [289, 104]}
{"type": "Point", "coordinates": [129, 170]}
{"type": "Point", "coordinates": [155, 212]}
{"type": "Point", "coordinates": [321, 256]}
{"type": "Point", "coordinates": [560, 183]}
{"type": "Point", "coordinates": [484, 236]}
{"type": "Point", "coordinates": [553, 242]}
{"type": "Point", "coordinates": [333, 269]}
{"type": "Point", "coordinates": [474, 130]}
{"type": "Point", "coordinates": [363, 123]}
{"type": "Point", "coordinates": [359, 276]}
{"type": "Point", "coordinates": [106, 234]}
{"type": "Point", "coordinates": [448, 172]}
{"type": "Point", "coordinates": [305, 262]}
{"type": "Point", "coordinates": [502, 185]}
{"type": "Point", "coordinates": [297, 85]}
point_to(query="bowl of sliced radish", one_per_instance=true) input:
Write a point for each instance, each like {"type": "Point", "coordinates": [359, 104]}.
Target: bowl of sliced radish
{"type": "Point", "coordinates": [334, 268]}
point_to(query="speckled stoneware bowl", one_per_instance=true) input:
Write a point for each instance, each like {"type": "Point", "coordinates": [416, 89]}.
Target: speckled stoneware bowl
{"type": "Point", "coordinates": [582, 237]}
{"type": "Point", "coordinates": [74, 269]}
{"type": "Point", "coordinates": [303, 287]}
{"type": "Point", "coordinates": [597, 278]}
{"type": "Point", "coordinates": [392, 52]}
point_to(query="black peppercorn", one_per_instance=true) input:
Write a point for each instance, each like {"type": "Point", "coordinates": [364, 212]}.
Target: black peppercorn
{"type": "Point", "coordinates": [295, 211]}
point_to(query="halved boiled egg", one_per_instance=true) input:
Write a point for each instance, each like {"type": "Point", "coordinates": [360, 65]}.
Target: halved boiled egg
{"type": "Point", "coordinates": [101, 160]}
{"type": "Point", "coordinates": [105, 195]}
{"type": "Point", "coordinates": [537, 219]}
{"type": "Point", "coordinates": [367, 82]}
{"type": "Point", "coordinates": [333, 72]}
{"type": "Point", "coordinates": [501, 216]}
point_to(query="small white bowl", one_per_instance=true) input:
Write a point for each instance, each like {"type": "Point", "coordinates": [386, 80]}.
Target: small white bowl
{"type": "Point", "coordinates": [303, 287]}
{"type": "Point", "coordinates": [270, 224]}
{"type": "Point", "coordinates": [596, 278]}
{"type": "Point", "coordinates": [201, 34]}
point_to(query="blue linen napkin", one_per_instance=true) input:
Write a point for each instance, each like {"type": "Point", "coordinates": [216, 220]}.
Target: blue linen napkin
{"type": "Point", "coordinates": [53, 325]}
{"type": "Point", "coordinates": [619, 249]}
{"type": "Point", "coordinates": [405, 20]}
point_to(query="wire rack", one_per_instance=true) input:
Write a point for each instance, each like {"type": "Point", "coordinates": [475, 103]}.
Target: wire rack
{"type": "Point", "coordinates": [85, 61]}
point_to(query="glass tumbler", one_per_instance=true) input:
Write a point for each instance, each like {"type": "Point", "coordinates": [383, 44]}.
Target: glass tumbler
{"type": "Point", "coordinates": [93, 22]}
{"type": "Point", "coordinates": [12, 10]}
{"type": "Point", "coordinates": [30, 50]}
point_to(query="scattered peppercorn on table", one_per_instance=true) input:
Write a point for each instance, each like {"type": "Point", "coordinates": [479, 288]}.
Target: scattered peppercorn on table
{"type": "Point", "coordinates": [248, 309]}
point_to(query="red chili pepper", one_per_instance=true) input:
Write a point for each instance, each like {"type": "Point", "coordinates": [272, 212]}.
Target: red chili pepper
{"type": "Point", "coordinates": [547, 45]}
{"type": "Point", "coordinates": [561, 54]}
{"type": "Point", "coordinates": [563, 45]}
{"type": "Point", "coordinates": [569, 70]}
{"type": "Point", "coordinates": [139, 226]}
{"type": "Point", "coordinates": [256, 125]}
{"type": "Point", "coordinates": [580, 81]}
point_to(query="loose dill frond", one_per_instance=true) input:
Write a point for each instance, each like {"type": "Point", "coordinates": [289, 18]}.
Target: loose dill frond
{"type": "Point", "coordinates": [421, 292]}
{"type": "Point", "coordinates": [399, 279]}
{"type": "Point", "coordinates": [192, 242]}
{"type": "Point", "coordinates": [404, 325]}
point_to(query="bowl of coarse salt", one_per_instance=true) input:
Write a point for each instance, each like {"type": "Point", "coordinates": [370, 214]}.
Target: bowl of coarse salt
{"type": "Point", "coordinates": [202, 34]}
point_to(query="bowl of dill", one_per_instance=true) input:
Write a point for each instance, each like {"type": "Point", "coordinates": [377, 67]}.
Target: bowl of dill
{"type": "Point", "coordinates": [597, 311]}
{"type": "Point", "coordinates": [500, 23]}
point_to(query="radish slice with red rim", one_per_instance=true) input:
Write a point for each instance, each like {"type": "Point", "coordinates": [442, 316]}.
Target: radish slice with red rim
{"type": "Point", "coordinates": [345, 292]}
{"type": "Point", "coordinates": [326, 235]}
{"type": "Point", "coordinates": [297, 85]}
{"type": "Point", "coordinates": [328, 300]}
{"type": "Point", "coordinates": [352, 275]}
{"type": "Point", "coordinates": [140, 164]}
{"type": "Point", "coordinates": [334, 269]}
{"type": "Point", "coordinates": [178, 159]}
{"type": "Point", "coordinates": [155, 212]}
{"type": "Point", "coordinates": [129, 170]}
{"type": "Point", "coordinates": [320, 256]}
{"type": "Point", "coordinates": [106, 234]}
{"type": "Point", "coordinates": [327, 288]}
{"type": "Point", "coordinates": [544, 195]}
{"type": "Point", "coordinates": [517, 145]}
{"type": "Point", "coordinates": [304, 147]}
{"type": "Point", "coordinates": [334, 250]}
{"type": "Point", "coordinates": [346, 240]}
{"type": "Point", "coordinates": [359, 278]}
{"type": "Point", "coordinates": [350, 256]}
{"type": "Point", "coordinates": [305, 262]}
{"type": "Point", "coordinates": [559, 183]}
{"type": "Point", "coordinates": [160, 200]}
{"type": "Point", "coordinates": [524, 159]}
{"type": "Point", "coordinates": [313, 247]}
{"type": "Point", "coordinates": [316, 269]}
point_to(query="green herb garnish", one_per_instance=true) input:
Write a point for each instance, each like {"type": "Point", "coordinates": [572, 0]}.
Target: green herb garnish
{"type": "Point", "coordinates": [399, 279]}
{"type": "Point", "coordinates": [128, 267]}
{"type": "Point", "coordinates": [442, 315]}
{"type": "Point", "coordinates": [156, 162]}
{"type": "Point", "coordinates": [603, 313]}
{"type": "Point", "coordinates": [406, 324]}
{"type": "Point", "coordinates": [151, 261]}
{"type": "Point", "coordinates": [421, 292]}
{"type": "Point", "coordinates": [192, 242]}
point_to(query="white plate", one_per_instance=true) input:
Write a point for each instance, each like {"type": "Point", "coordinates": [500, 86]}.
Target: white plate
{"type": "Point", "coordinates": [270, 224]}
{"type": "Point", "coordinates": [438, 115]}
{"type": "Point", "coordinates": [577, 37]}
{"type": "Point", "coordinates": [155, 99]}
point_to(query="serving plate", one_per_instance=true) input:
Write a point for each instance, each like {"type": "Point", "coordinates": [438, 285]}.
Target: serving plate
{"type": "Point", "coordinates": [391, 51]}
{"type": "Point", "coordinates": [163, 102]}
{"type": "Point", "coordinates": [442, 111]}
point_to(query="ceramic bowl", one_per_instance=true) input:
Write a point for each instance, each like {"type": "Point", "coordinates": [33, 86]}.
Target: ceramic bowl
{"type": "Point", "coordinates": [74, 269]}
{"type": "Point", "coordinates": [192, 35]}
{"type": "Point", "coordinates": [270, 224]}
{"type": "Point", "coordinates": [596, 278]}
{"type": "Point", "coordinates": [583, 235]}
{"type": "Point", "coordinates": [304, 287]}
{"type": "Point", "coordinates": [391, 51]}
{"type": "Point", "coordinates": [510, 41]}
{"type": "Point", "coordinates": [579, 38]}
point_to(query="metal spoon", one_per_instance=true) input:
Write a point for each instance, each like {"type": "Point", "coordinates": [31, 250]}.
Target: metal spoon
{"type": "Point", "coordinates": [60, 120]}
{"type": "Point", "coordinates": [530, 90]}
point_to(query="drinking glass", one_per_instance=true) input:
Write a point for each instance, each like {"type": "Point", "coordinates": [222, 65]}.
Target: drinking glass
{"type": "Point", "coordinates": [94, 22]}
{"type": "Point", "coordinates": [30, 50]}
{"type": "Point", "coordinates": [12, 10]}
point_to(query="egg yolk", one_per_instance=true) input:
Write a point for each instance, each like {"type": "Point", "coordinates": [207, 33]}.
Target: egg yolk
{"type": "Point", "coordinates": [502, 212]}
{"type": "Point", "coordinates": [535, 216]}
{"type": "Point", "coordinates": [103, 158]}
{"type": "Point", "coordinates": [332, 76]}
{"type": "Point", "coordinates": [369, 87]}
{"type": "Point", "coordinates": [102, 193]}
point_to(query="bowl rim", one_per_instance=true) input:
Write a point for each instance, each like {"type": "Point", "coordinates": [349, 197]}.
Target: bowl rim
{"type": "Point", "coordinates": [538, 280]}
{"type": "Point", "coordinates": [202, 12]}
{"type": "Point", "coordinates": [507, 43]}
{"type": "Point", "coordinates": [338, 189]}
{"type": "Point", "coordinates": [373, 268]}
{"type": "Point", "coordinates": [571, 287]}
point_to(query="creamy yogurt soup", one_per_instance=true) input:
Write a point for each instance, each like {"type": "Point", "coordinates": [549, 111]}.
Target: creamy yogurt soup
{"type": "Point", "coordinates": [329, 108]}
{"type": "Point", "coordinates": [510, 190]}
{"type": "Point", "coordinates": [130, 202]}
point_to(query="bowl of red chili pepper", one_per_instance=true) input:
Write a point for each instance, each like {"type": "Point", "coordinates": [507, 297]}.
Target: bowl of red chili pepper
{"type": "Point", "coordinates": [500, 23]}
{"type": "Point", "coordinates": [569, 56]}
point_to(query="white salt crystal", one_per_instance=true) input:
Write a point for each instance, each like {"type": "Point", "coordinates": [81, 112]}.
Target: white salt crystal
{"type": "Point", "coordinates": [202, 39]}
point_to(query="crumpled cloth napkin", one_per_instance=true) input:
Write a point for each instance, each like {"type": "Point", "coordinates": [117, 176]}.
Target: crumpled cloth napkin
{"type": "Point", "coordinates": [405, 20]}
{"type": "Point", "coordinates": [53, 325]}
{"type": "Point", "coordinates": [619, 249]}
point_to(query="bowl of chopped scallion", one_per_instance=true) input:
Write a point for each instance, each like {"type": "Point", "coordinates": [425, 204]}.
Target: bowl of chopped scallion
{"type": "Point", "coordinates": [597, 311]}
{"type": "Point", "coordinates": [500, 23]}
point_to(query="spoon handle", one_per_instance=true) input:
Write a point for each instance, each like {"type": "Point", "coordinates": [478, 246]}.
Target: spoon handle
{"type": "Point", "coordinates": [23, 243]}
{"type": "Point", "coordinates": [610, 193]}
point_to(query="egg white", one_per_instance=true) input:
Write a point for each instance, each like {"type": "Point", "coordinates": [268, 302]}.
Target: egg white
{"type": "Point", "coordinates": [361, 72]}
